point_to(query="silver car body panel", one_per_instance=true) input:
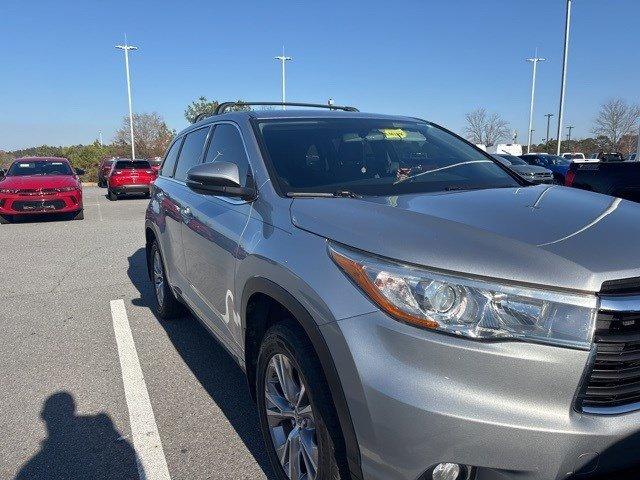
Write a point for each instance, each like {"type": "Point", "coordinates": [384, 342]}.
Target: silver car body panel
{"type": "Point", "coordinates": [550, 236]}
{"type": "Point", "coordinates": [415, 397]}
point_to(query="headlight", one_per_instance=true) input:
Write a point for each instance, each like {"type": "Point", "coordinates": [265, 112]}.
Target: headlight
{"type": "Point", "coordinates": [11, 191]}
{"type": "Point", "coordinates": [468, 307]}
{"type": "Point", "coordinates": [67, 189]}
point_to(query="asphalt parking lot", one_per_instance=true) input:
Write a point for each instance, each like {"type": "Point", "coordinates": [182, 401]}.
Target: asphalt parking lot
{"type": "Point", "coordinates": [64, 412]}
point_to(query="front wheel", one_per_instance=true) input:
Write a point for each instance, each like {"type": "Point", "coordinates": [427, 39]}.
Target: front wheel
{"type": "Point", "coordinates": [5, 219]}
{"type": "Point", "coordinates": [113, 196]}
{"type": "Point", "coordinates": [297, 417]}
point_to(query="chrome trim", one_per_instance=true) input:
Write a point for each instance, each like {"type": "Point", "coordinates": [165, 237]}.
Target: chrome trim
{"type": "Point", "coordinates": [613, 304]}
{"type": "Point", "coordinates": [620, 303]}
{"type": "Point", "coordinates": [631, 407]}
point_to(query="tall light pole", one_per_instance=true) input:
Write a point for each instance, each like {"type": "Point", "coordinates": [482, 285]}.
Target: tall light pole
{"type": "Point", "coordinates": [565, 57]}
{"type": "Point", "coordinates": [569, 128]}
{"type": "Point", "coordinates": [283, 59]}
{"type": "Point", "coordinates": [534, 61]}
{"type": "Point", "coordinates": [100, 137]}
{"type": "Point", "coordinates": [126, 49]}
{"type": "Point", "coordinates": [548, 115]}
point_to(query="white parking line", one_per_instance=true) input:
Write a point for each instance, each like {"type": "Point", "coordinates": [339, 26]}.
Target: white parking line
{"type": "Point", "coordinates": [152, 464]}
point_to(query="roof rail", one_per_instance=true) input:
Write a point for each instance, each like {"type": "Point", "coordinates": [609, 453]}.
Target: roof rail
{"type": "Point", "coordinates": [224, 106]}
{"type": "Point", "coordinates": [221, 108]}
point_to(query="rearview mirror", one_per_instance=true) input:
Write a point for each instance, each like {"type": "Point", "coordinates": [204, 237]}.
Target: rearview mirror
{"type": "Point", "coordinates": [218, 178]}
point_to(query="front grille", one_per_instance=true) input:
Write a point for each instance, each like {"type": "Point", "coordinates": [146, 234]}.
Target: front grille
{"type": "Point", "coordinates": [612, 384]}
{"type": "Point", "coordinates": [41, 191]}
{"type": "Point", "coordinates": [37, 206]}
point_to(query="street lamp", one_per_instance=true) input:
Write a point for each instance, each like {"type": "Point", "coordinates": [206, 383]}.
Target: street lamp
{"type": "Point", "coordinates": [565, 56]}
{"type": "Point", "coordinates": [534, 61]}
{"type": "Point", "coordinates": [126, 49]}
{"type": "Point", "coordinates": [548, 115]}
{"type": "Point", "coordinates": [283, 59]}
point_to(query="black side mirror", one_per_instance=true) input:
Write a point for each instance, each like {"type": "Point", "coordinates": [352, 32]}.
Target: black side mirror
{"type": "Point", "coordinates": [220, 179]}
{"type": "Point", "coordinates": [80, 171]}
{"type": "Point", "coordinates": [2, 172]}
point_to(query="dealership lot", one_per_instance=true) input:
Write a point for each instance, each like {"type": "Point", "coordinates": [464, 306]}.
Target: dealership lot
{"type": "Point", "coordinates": [58, 345]}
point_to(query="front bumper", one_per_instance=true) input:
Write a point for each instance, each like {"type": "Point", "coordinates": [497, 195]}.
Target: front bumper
{"type": "Point", "coordinates": [62, 202]}
{"type": "Point", "coordinates": [418, 398]}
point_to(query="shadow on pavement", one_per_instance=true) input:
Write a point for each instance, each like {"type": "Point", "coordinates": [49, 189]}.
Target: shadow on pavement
{"type": "Point", "coordinates": [214, 368]}
{"type": "Point", "coordinates": [41, 218]}
{"type": "Point", "coordinates": [79, 447]}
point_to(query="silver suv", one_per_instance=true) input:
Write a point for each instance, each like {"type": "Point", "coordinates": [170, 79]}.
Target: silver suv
{"type": "Point", "coordinates": [403, 305]}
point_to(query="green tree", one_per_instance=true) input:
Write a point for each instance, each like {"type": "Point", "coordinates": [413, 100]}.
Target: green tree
{"type": "Point", "coordinates": [205, 107]}
{"type": "Point", "coordinates": [200, 106]}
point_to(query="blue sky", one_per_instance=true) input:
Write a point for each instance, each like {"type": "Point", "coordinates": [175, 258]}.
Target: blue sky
{"type": "Point", "coordinates": [61, 79]}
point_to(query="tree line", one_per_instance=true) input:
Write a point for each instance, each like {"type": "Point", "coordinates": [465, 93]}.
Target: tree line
{"type": "Point", "coordinates": [614, 130]}
{"type": "Point", "coordinates": [151, 133]}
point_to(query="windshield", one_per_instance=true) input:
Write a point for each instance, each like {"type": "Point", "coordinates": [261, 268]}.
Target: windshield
{"type": "Point", "coordinates": [513, 160]}
{"type": "Point", "coordinates": [375, 157]}
{"type": "Point", "coordinates": [39, 167]}
{"type": "Point", "coordinates": [132, 164]}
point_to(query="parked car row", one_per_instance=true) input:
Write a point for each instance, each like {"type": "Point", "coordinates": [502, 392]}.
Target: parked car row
{"type": "Point", "coordinates": [49, 185]}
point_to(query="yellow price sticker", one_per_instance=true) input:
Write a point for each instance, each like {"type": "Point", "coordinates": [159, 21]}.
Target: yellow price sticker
{"type": "Point", "coordinates": [394, 133]}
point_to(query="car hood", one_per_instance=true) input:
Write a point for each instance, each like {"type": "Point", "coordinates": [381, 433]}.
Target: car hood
{"type": "Point", "coordinates": [39, 181]}
{"type": "Point", "coordinates": [552, 236]}
{"type": "Point", "coordinates": [529, 169]}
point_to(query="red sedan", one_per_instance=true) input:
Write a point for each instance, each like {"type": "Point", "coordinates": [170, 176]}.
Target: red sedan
{"type": "Point", "coordinates": [130, 177]}
{"type": "Point", "coordinates": [37, 185]}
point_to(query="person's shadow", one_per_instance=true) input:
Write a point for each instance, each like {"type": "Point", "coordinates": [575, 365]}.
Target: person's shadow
{"type": "Point", "coordinates": [79, 447]}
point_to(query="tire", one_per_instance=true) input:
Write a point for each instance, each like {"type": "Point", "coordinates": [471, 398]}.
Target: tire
{"type": "Point", "coordinates": [167, 305]}
{"type": "Point", "coordinates": [112, 195]}
{"type": "Point", "coordinates": [286, 342]}
{"type": "Point", "coordinates": [79, 215]}
{"type": "Point", "coordinates": [5, 219]}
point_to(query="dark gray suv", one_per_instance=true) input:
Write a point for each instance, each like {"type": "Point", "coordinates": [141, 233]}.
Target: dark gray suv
{"type": "Point", "coordinates": [403, 305]}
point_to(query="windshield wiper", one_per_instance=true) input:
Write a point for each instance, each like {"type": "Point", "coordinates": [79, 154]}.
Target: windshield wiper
{"type": "Point", "coordinates": [336, 194]}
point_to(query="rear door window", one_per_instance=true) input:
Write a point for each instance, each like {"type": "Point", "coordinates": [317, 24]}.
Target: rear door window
{"type": "Point", "coordinates": [191, 153]}
{"type": "Point", "coordinates": [132, 165]}
{"type": "Point", "coordinates": [170, 159]}
{"type": "Point", "coordinates": [226, 146]}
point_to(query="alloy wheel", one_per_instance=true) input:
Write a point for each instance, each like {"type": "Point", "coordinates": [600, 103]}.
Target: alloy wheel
{"type": "Point", "coordinates": [291, 421]}
{"type": "Point", "coordinates": [158, 277]}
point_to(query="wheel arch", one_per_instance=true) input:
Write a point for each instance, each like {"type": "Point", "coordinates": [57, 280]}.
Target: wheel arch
{"type": "Point", "coordinates": [259, 286]}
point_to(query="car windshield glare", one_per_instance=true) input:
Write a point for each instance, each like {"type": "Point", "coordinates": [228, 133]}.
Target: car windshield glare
{"type": "Point", "coordinates": [375, 157]}
{"type": "Point", "coordinates": [39, 167]}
